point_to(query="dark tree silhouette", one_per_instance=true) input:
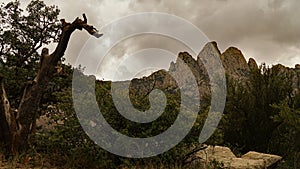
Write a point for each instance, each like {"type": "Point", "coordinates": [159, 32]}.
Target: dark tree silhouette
{"type": "Point", "coordinates": [21, 37]}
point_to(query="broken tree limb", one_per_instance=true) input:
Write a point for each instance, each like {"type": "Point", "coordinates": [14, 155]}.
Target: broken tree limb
{"type": "Point", "coordinates": [23, 120]}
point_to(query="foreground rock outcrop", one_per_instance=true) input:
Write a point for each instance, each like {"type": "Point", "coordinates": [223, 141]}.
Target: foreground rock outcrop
{"type": "Point", "coordinates": [224, 156]}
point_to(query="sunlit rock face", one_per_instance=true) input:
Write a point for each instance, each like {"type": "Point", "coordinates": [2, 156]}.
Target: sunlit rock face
{"type": "Point", "coordinates": [235, 64]}
{"type": "Point", "coordinates": [250, 160]}
{"type": "Point", "coordinates": [233, 61]}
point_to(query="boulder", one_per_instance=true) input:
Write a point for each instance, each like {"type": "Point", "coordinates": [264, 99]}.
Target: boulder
{"type": "Point", "coordinates": [224, 156]}
{"type": "Point", "coordinates": [217, 153]}
{"type": "Point", "coordinates": [269, 159]}
{"type": "Point", "coordinates": [241, 163]}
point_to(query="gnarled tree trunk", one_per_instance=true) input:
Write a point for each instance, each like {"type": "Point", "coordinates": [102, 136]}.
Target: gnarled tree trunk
{"type": "Point", "coordinates": [16, 125]}
{"type": "Point", "coordinates": [7, 122]}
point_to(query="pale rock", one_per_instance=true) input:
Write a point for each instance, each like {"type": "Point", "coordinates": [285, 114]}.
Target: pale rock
{"type": "Point", "coordinates": [223, 155]}
{"type": "Point", "coordinates": [269, 159]}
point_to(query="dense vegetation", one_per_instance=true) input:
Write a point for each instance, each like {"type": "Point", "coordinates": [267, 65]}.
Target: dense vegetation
{"type": "Point", "coordinates": [262, 114]}
{"type": "Point", "coordinates": [259, 118]}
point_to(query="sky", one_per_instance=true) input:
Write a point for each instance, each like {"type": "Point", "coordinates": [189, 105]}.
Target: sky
{"type": "Point", "coordinates": [266, 30]}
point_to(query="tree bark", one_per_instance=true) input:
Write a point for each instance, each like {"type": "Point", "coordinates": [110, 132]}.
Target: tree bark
{"type": "Point", "coordinates": [4, 119]}
{"type": "Point", "coordinates": [17, 126]}
{"type": "Point", "coordinates": [8, 124]}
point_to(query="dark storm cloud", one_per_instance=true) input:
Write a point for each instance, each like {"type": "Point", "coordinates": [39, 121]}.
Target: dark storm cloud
{"type": "Point", "coordinates": [267, 30]}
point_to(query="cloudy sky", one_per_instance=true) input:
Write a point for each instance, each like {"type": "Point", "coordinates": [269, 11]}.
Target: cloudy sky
{"type": "Point", "coordinates": [267, 30]}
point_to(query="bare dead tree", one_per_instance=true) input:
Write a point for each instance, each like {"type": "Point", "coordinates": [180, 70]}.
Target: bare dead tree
{"type": "Point", "coordinates": [16, 125]}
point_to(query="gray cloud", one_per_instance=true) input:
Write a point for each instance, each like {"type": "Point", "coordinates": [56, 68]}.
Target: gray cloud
{"type": "Point", "coordinates": [128, 49]}
{"type": "Point", "coordinates": [267, 30]}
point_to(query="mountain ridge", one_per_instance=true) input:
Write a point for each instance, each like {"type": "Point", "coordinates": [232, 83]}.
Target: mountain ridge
{"type": "Point", "coordinates": [235, 65]}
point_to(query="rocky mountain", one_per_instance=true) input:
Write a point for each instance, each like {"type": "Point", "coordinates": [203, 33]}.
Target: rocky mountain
{"type": "Point", "coordinates": [233, 61]}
